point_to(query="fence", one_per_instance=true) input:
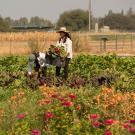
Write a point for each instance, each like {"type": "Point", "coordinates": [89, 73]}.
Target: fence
{"type": "Point", "coordinates": [95, 43]}
{"type": "Point", "coordinates": [101, 43]}
{"type": "Point", "coordinates": [23, 42]}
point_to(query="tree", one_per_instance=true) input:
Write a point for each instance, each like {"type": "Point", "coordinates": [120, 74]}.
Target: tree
{"type": "Point", "coordinates": [116, 21]}
{"type": "Point", "coordinates": [23, 21]}
{"type": "Point", "coordinates": [119, 21]}
{"type": "Point", "coordinates": [110, 12]}
{"type": "Point", "coordinates": [16, 23]}
{"type": "Point", "coordinates": [4, 25]}
{"type": "Point", "coordinates": [130, 12]}
{"type": "Point", "coordinates": [74, 20]}
{"type": "Point", "coordinates": [9, 21]}
{"type": "Point", "coordinates": [37, 21]}
{"type": "Point", "coordinates": [122, 12]}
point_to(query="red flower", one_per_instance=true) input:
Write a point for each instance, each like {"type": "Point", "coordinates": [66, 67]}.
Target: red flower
{"type": "Point", "coordinates": [94, 116]}
{"type": "Point", "coordinates": [131, 130]}
{"type": "Point", "coordinates": [131, 121]}
{"type": "Point", "coordinates": [21, 116]}
{"type": "Point", "coordinates": [108, 132]}
{"type": "Point", "coordinates": [49, 115]}
{"type": "Point", "coordinates": [96, 124]}
{"type": "Point", "coordinates": [54, 96]}
{"type": "Point", "coordinates": [126, 125]}
{"type": "Point", "coordinates": [35, 132]}
{"type": "Point", "coordinates": [57, 50]}
{"type": "Point", "coordinates": [67, 103]}
{"type": "Point", "coordinates": [72, 96]}
{"type": "Point", "coordinates": [108, 122]}
{"type": "Point", "coordinates": [61, 99]}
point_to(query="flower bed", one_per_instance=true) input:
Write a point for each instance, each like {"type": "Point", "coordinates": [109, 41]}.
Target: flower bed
{"type": "Point", "coordinates": [75, 107]}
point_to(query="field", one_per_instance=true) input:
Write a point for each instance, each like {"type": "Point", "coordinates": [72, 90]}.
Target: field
{"type": "Point", "coordinates": [97, 99]}
{"type": "Point", "coordinates": [21, 43]}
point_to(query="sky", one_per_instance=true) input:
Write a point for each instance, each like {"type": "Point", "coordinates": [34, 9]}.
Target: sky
{"type": "Point", "coordinates": [51, 9]}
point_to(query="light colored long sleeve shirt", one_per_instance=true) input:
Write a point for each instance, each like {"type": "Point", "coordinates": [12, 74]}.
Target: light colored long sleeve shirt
{"type": "Point", "coordinates": [68, 47]}
{"type": "Point", "coordinates": [41, 60]}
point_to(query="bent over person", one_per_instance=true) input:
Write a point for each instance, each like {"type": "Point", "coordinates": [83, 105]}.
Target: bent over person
{"type": "Point", "coordinates": [66, 42]}
{"type": "Point", "coordinates": [38, 60]}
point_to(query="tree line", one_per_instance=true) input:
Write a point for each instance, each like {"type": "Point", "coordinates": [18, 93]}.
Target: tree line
{"type": "Point", "coordinates": [119, 21]}
{"type": "Point", "coordinates": [77, 20]}
{"type": "Point", "coordinates": [7, 23]}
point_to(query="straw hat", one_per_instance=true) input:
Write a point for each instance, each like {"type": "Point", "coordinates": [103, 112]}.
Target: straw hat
{"type": "Point", "coordinates": [63, 29]}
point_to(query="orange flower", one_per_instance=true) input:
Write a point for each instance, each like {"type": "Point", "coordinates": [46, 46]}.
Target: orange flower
{"type": "Point", "coordinates": [13, 98]}
{"type": "Point", "coordinates": [78, 107]}
{"type": "Point", "coordinates": [21, 93]}
{"type": "Point", "coordinates": [26, 113]}
{"type": "Point", "coordinates": [44, 102]}
{"type": "Point", "coordinates": [1, 112]}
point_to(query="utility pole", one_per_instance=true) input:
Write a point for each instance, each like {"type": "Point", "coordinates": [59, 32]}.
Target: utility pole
{"type": "Point", "coordinates": [89, 15]}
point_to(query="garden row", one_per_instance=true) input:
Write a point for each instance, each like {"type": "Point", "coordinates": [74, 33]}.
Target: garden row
{"type": "Point", "coordinates": [97, 99]}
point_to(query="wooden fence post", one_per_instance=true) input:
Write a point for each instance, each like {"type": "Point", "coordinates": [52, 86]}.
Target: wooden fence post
{"type": "Point", "coordinates": [123, 43]}
{"type": "Point", "coordinates": [10, 51]}
{"type": "Point", "coordinates": [100, 45]}
{"type": "Point", "coordinates": [116, 42]}
{"type": "Point", "coordinates": [132, 42]}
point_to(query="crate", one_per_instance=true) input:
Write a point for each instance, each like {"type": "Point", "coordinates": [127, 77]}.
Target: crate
{"type": "Point", "coordinates": [58, 61]}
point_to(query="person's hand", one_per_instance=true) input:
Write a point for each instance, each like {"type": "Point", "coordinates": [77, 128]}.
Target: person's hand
{"type": "Point", "coordinates": [29, 73]}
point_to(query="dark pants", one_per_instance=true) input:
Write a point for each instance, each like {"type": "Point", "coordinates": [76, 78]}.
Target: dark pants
{"type": "Point", "coordinates": [67, 60]}
{"type": "Point", "coordinates": [37, 67]}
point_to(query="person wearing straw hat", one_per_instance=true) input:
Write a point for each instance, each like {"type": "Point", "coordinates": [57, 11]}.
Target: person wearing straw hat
{"type": "Point", "coordinates": [66, 42]}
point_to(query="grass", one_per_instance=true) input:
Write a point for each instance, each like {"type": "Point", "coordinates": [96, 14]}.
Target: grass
{"type": "Point", "coordinates": [18, 43]}
{"type": "Point", "coordinates": [113, 37]}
